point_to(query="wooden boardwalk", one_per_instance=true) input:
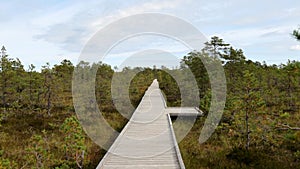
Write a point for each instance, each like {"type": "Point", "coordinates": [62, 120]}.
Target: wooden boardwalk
{"type": "Point", "coordinates": [148, 139]}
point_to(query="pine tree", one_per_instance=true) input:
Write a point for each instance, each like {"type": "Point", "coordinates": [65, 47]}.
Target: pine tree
{"type": "Point", "coordinates": [48, 87]}
{"type": "Point", "coordinates": [74, 141]}
{"type": "Point", "coordinates": [296, 34]}
{"type": "Point", "coordinates": [251, 102]}
{"type": "Point", "coordinates": [216, 48]}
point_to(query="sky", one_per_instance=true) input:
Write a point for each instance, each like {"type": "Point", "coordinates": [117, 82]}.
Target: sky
{"type": "Point", "coordinates": [40, 31]}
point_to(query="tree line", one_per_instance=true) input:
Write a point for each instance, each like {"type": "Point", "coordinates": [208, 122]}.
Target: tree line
{"type": "Point", "coordinates": [261, 117]}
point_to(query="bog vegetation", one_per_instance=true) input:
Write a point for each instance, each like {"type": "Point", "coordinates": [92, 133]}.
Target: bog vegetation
{"type": "Point", "coordinates": [260, 127]}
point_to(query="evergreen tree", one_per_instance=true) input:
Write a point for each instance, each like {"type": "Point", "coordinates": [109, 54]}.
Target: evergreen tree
{"type": "Point", "coordinates": [296, 34]}
{"type": "Point", "coordinates": [216, 48]}
{"type": "Point", "coordinates": [48, 87]}
{"type": "Point", "coordinates": [74, 141]}
{"type": "Point", "coordinates": [251, 103]}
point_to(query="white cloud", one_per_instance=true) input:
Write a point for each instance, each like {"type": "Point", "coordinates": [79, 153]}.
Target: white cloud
{"type": "Point", "coordinates": [77, 24]}
{"type": "Point", "coordinates": [255, 35]}
{"type": "Point", "coordinates": [40, 30]}
{"type": "Point", "coordinates": [295, 47]}
{"type": "Point", "coordinates": [136, 9]}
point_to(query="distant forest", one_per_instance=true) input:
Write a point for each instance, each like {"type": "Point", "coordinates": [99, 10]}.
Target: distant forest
{"type": "Point", "coordinates": [260, 127]}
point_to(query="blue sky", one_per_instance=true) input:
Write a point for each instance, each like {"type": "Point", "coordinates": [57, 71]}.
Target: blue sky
{"type": "Point", "coordinates": [50, 31]}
